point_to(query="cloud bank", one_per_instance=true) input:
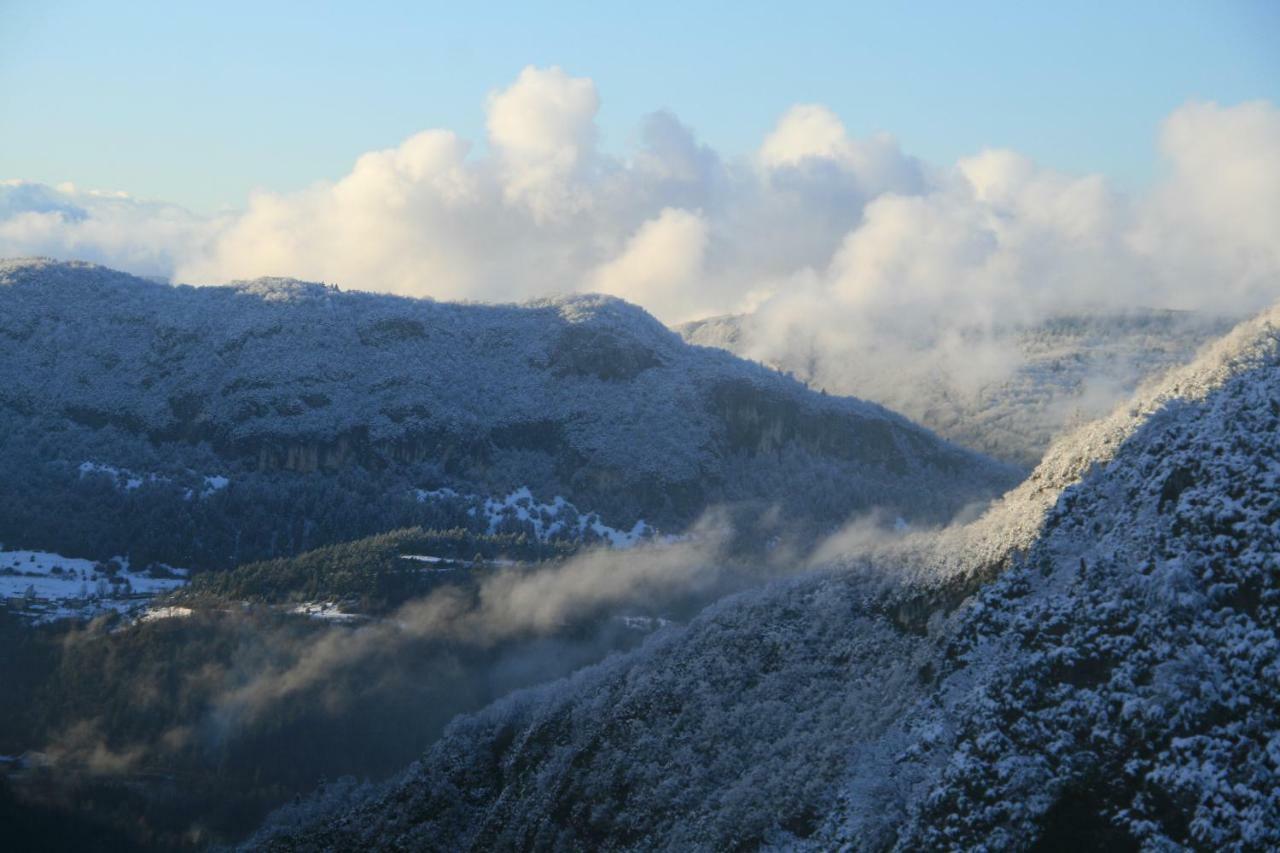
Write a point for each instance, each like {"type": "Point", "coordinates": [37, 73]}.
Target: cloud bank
{"type": "Point", "coordinates": [844, 245]}
{"type": "Point", "coordinates": [112, 228]}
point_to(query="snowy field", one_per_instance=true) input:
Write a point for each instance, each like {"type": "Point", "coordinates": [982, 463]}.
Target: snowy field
{"type": "Point", "coordinates": [43, 586]}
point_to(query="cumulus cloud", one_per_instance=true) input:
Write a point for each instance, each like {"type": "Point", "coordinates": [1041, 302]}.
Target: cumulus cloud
{"type": "Point", "coordinates": [848, 251]}
{"type": "Point", "coordinates": [915, 306]}
{"type": "Point", "coordinates": [408, 218]}
{"type": "Point", "coordinates": [806, 132]}
{"type": "Point", "coordinates": [1209, 230]}
{"type": "Point", "coordinates": [810, 135]}
{"type": "Point", "coordinates": [143, 237]}
{"type": "Point", "coordinates": [660, 266]}
{"type": "Point", "coordinates": [670, 224]}
{"type": "Point", "coordinates": [531, 216]}
{"type": "Point", "coordinates": [543, 128]}
{"type": "Point", "coordinates": [998, 237]}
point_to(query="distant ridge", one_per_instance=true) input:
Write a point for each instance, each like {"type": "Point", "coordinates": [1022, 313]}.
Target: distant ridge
{"type": "Point", "coordinates": [1067, 369]}
{"type": "Point", "coordinates": [585, 397]}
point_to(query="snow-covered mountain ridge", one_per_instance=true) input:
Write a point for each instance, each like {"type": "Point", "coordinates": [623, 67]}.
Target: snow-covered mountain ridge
{"type": "Point", "coordinates": [1113, 686]}
{"type": "Point", "coordinates": [584, 396]}
{"type": "Point", "coordinates": [1119, 676]}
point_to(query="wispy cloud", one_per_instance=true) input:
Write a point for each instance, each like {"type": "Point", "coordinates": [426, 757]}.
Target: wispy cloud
{"type": "Point", "coordinates": [508, 604]}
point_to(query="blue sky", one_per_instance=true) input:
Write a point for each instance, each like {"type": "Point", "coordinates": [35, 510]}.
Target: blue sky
{"type": "Point", "coordinates": [199, 103]}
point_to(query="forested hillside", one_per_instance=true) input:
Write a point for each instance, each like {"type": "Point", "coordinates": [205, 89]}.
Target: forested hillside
{"type": "Point", "coordinates": [1091, 665]}
{"type": "Point", "coordinates": [131, 424]}
{"type": "Point", "coordinates": [184, 723]}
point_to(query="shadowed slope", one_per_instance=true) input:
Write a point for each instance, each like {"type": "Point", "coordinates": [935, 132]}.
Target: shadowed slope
{"type": "Point", "coordinates": [1113, 685]}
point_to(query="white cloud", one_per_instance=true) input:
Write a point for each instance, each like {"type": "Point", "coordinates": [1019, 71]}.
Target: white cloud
{"type": "Point", "coordinates": [1210, 230]}
{"type": "Point", "coordinates": [810, 135]}
{"type": "Point", "coordinates": [807, 131]}
{"type": "Point", "coordinates": [844, 244]}
{"type": "Point", "coordinates": [910, 296]}
{"type": "Point", "coordinates": [404, 221]}
{"type": "Point", "coordinates": [661, 266]}
{"type": "Point", "coordinates": [673, 226]}
{"type": "Point", "coordinates": [543, 128]}
{"type": "Point", "coordinates": [147, 238]}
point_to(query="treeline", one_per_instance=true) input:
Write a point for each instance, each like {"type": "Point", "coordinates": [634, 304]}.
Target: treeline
{"type": "Point", "coordinates": [371, 573]}
{"type": "Point", "coordinates": [46, 502]}
{"type": "Point", "coordinates": [172, 516]}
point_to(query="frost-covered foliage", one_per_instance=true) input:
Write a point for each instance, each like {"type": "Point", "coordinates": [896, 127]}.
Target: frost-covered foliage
{"type": "Point", "coordinates": [126, 480]}
{"type": "Point", "coordinates": [326, 799]}
{"type": "Point", "coordinates": [1124, 670]}
{"type": "Point", "coordinates": [1039, 381]}
{"type": "Point", "coordinates": [1112, 687]}
{"type": "Point", "coordinates": [586, 397]}
{"type": "Point", "coordinates": [371, 575]}
{"type": "Point", "coordinates": [714, 736]}
{"type": "Point", "coordinates": [555, 520]}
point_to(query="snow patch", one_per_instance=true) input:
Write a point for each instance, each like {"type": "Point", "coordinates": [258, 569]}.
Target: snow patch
{"type": "Point", "coordinates": [155, 614]}
{"type": "Point", "coordinates": [645, 624]}
{"type": "Point", "coordinates": [43, 586]}
{"type": "Point", "coordinates": [328, 611]}
{"type": "Point", "coordinates": [126, 480]}
{"type": "Point", "coordinates": [558, 519]}
{"type": "Point", "coordinates": [448, 564]}
{"type": "Point", "coordinates": [214, 483]}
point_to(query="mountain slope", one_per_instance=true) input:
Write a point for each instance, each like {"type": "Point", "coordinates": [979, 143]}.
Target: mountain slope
{"type": "Point", "coordinates": [583, 397]}
{"type": "Point", "coordinates": [1055, 374]}
{"type": "Point", "coordinates": [1113, 685]}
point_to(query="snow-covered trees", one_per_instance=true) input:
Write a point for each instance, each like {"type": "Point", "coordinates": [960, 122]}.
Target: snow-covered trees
{"type": "Point", "coordinates": [312, 406]}
{"type": "Point", "coordinates": [1114, 684]}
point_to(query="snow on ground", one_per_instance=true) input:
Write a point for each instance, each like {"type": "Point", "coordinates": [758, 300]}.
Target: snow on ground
{"type": "Point", "coordinates": [155, 614]}
{"type": "Point", "coordinates": [214, 483]}
{"type": "Point", "coordinates": [645, 624]}
{"type": "Point", "coordinates": [329, 611]}
{"type": "Point", "coordinates": [43, 586]}
{"type": "Point", "coordinates": [448, 564]}
{"type": "Point", "coordinates": [559, 519]}
{"type": "Point", "coordinates": [127, 481]}
{"type": "Point", "coordinates": [423, 558]}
